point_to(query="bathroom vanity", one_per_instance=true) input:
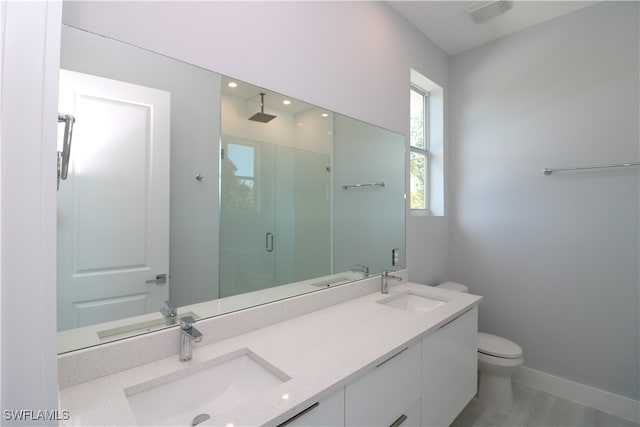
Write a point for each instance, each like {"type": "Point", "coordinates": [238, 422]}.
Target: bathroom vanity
{"type": "Point", "coordinates": [407, 358]}
{"type": "Point", "coordinates": [285, 340]}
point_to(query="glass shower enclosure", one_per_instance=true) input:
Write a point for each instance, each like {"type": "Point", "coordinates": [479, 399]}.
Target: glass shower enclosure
{"type": "Point", "coordinates": [275, 215]}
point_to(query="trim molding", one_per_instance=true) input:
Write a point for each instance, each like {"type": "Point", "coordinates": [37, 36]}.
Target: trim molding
{"type": "Point", "coordinates": [30, 45]}
{"type": "Point", "coordinates": [620, 406]}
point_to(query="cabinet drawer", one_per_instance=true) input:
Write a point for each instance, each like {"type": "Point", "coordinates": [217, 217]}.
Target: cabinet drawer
{"type": "Point", "coordinates": [413, 416]}
{"type": "Point", "coordinates": [410, 418]}
{"type": "Point", "coordinates": [328, 412]}
{"type": "Point", "coordinates": [385, 393]}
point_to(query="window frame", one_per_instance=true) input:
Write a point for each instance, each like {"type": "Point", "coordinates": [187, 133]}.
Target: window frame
{"type": "Point", "coordinates": [422, 151]}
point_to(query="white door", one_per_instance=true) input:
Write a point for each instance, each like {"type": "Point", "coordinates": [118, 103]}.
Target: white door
{"type": "Point", "coordinates": [113, 210]}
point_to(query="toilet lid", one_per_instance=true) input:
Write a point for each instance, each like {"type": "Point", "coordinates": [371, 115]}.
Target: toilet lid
{"type": "Point", "coordinates": [494, 345]}
{"type": "Point", "coordinates": [453, 286]}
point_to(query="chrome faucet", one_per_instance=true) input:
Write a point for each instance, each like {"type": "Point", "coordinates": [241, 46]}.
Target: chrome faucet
{"type": "Point", "coordinates": [385, 284]}
{"type": "Point", "coordinates": [188, 334]}
{"type": "Point", "coordinates": [361, 269]}
{"type": "Point", "coordinates": [169, 312]}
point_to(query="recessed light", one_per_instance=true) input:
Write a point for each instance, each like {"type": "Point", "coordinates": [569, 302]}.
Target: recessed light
{"type": "Point", "coordinates": [285, 396]}
{"type": "Point", "coordinates": [325, 115]}
{"type": "Point", "coordinates": [232, 84]}
{"type": "Point", "coordinates": [286, 102]}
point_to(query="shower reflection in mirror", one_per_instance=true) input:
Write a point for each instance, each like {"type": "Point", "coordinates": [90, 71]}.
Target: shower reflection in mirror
{"type": "Point", "coordinates": [276, 224]}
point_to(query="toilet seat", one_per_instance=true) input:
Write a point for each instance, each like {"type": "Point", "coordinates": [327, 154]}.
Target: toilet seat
{"type": "Point", "coordinates": [493, 345]}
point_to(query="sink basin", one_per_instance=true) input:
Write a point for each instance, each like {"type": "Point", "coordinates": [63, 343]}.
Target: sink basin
{"type": "Point", "coordinates": [411, 301]}
{"type": "Point", "coordinates": [208, 388]}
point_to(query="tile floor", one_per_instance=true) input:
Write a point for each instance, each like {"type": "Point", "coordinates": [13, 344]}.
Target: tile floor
{"type": "Point", "coordinates": [536, 408]}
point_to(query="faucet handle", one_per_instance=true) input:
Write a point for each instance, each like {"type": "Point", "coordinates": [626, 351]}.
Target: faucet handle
{"type": "Point", "coordinates": [365, 269]}
{"type": "Point", "coordinates": [385, 274]}
{"type": "Point", "coordinates": [187, 322]}
{"type": "Point", "coordinates": [361, 269]}
{"type": "Point", "coordinates": [168, 310]}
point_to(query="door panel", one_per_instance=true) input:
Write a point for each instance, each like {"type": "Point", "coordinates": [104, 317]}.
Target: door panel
{"type": "Point", "coordinates": [103, 310]}
{"type": "Point", "coordinates": [247, 236]}
{"type": "Point", "coordinates": [113, 210]}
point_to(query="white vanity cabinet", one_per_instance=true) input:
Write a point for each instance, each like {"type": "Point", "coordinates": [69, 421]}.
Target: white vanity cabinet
{"type": "Point", "coordinates": [449, 369]}
{"type": "Point", "coordinates": [426, 384]}
{"type": "Point", "coordinates": [387, 394]}
{"type": "Point", "coordinates": [325, 413]}
{"type": "Point", "coordinates": [426, 369]}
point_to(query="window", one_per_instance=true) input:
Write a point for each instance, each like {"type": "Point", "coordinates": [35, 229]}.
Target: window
{"type": "Point", "coordinates": [419, 154]}
{"type": "Point", "coordinates": [426, 152]}
{"type": "Point", "coordinates": [238, 176]}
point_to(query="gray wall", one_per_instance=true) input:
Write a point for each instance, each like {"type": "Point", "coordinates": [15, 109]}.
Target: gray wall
{"type": "Point", "coordinates": [195, 130]}
{"type": "Point", "coordinates": [350, 57]}
{"type": "Point", "coordinates": [556, 257]}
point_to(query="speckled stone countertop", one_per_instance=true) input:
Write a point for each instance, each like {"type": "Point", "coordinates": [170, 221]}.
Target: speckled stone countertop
{"type": "Point", "coordinates": [321, 352]}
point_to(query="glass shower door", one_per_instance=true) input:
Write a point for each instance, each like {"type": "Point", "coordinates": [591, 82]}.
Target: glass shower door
{"type": "Point", "coordinates": [272, 198]}
{"type": "Point", "coordinates": [247, 212]}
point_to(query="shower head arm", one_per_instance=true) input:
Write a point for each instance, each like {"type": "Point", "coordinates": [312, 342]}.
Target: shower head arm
{"type": "Point", "coordinates": [261, 116]}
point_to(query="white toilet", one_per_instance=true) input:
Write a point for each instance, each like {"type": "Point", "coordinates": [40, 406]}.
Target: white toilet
{"type": "Point", "coordinates": [498, 359]}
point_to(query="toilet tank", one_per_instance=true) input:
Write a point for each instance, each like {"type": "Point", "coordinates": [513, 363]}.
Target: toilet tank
{"type": "Point", "coordinates": [454, 286]}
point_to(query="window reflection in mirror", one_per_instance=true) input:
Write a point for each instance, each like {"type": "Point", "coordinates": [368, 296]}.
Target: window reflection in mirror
{"type": "Point", "coordinates": [248, 212]}
{"type": "Point", "coordinates": [238, 177]}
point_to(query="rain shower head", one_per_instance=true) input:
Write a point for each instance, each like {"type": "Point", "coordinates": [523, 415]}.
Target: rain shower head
{"type": "Point", "coordinates": [261, 116]}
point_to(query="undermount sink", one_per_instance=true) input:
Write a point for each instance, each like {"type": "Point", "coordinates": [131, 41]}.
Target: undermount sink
{"type": "Point", "coordinates": [191, 395]}
{"type": "Point", "coordinates": [411, 301]}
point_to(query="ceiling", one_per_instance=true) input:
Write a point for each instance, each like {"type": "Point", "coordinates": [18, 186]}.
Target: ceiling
{"type": "Point", "coordinates": [447, 24]}
{"type": "Point", "coordinates": [251, 94]}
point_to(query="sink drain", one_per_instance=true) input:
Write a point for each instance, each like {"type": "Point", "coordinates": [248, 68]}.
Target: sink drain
{"type": "Point", "coordinates": [200, 419]}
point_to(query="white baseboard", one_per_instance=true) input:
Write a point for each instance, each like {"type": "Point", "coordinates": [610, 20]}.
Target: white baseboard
{"type": "Point", "coordinates": [614, 404]}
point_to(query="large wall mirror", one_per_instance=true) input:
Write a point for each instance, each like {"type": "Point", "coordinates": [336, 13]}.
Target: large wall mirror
{"type": "Point", "coordinates": [193, 193]}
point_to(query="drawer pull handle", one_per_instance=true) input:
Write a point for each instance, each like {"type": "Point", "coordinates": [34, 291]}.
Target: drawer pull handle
{"type": "Point", "coordinates": [399, 421]}
{"type": "Point", "coordinates": [385, 361]}
{"type": "Point", "coordinates": [456, 318]}
{"type": "Point", "coordinates": [299, 414]}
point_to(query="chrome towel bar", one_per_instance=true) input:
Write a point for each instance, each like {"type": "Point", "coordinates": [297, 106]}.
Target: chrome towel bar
{"type": "Point", "coordinates": [373, 184]}
{"type": "Point", "coordinates": [549, 171]}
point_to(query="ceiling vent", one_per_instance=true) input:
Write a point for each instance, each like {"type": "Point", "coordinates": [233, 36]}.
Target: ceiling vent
{"type": "Point", "coordinates": [483, 10]}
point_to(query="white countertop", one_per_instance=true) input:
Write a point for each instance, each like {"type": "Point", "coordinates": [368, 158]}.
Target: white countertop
{"type": "Point", "coordinates": [321, 351]}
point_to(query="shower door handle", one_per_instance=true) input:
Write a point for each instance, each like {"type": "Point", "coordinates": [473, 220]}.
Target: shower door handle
{"type": "Point", "coordinates": [269, 242]}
